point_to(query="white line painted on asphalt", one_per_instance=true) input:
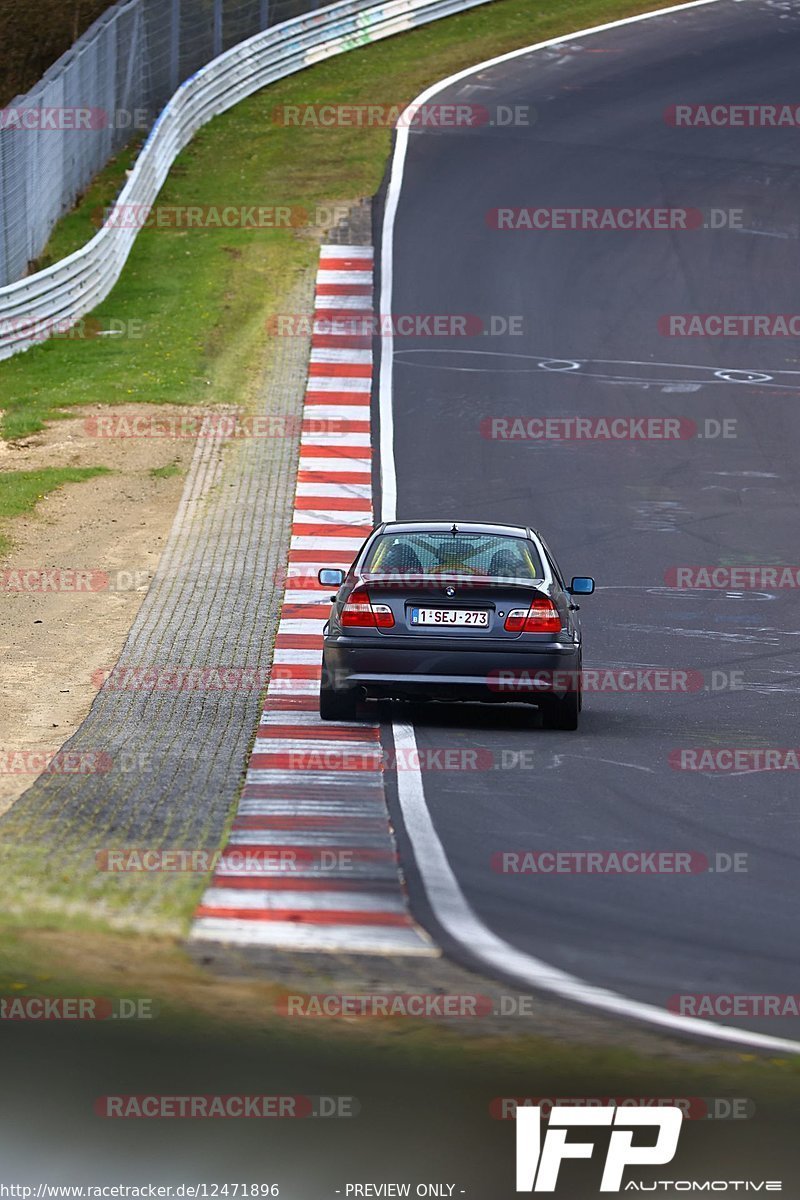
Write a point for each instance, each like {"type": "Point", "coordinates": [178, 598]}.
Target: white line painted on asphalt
{"type": "Point", "coordinates": [348, 839]}
{"type": "Point", "coordinates": [299, 625]}
{"type": "Point", "coordinates": [277, 742]}
{"type": "Point", "coordinates": [335, 250]}
{"type": "Point", "coordinates": [328, 354]}
{"type": "Point", "coordinates": [293, 935]}
{"type": "Point", "coordinates": [300, 542]}
{"type": "Point", "coordinates": [344, 807]}
{"type": "Point", "coordinates": [257, 898]}
{"type": "Point", "coordinates": [337, 411]}
{"type": "Point", "coordinates": [361, 491]}
{"type": "Point", "coordinates": [307, 596]}
{"type": "Point", "coordinates": [335, 439]}
{"type": "Point", "coordinates": [310, 657]}
{"type": "Point", "coordinates": [336, 517]}
{"type": "Point", "coordinates": [324, 465]}
{"type": "Point", "coordinates": [363, 277]}
{"type": "Point", "coordinates": [357, 303]}
{"type": "Point", "coordinates": [339, 383]}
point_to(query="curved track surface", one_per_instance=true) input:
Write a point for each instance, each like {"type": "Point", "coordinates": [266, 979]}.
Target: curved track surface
{"type": "Point", "coordinates": [627, 512]}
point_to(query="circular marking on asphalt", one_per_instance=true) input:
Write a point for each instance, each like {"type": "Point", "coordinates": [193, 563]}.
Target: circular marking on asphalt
{"type": "Point", "coordinates": [559, 364]}
{"type": "Point", "coordinates": [743, 376]}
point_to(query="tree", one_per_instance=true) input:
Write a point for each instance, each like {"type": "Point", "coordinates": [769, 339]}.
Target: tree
{"type": "Point", "coordinates": [34, 35]}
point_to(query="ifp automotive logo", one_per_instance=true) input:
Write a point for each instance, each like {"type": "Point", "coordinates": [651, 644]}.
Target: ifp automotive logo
{"type": "Point", "coordinates": [539, 1159]}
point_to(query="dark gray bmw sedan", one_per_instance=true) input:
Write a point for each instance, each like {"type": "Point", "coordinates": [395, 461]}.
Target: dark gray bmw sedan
{"type": "Point", "coordinates": [453, 611]}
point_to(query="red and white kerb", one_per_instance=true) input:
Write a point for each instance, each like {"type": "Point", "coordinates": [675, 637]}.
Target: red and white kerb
{"type": "Point", "coordinates": [311, 862]}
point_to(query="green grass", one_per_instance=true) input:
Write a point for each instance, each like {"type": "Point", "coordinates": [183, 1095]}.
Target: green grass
{"type": "Point", "coordinates": [200, 298]}
{"type": "Point", "coordinates": [20, 491]}
{"type": "Point", "coordinates": [192, 1003]}
{"type": "Point", "coordinates": [166, 472]}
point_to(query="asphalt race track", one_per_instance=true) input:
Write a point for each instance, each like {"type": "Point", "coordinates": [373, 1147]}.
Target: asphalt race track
{"type": "Point", "coordinates": [630, 511]}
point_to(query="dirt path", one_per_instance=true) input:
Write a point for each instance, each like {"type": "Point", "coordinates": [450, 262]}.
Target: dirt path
{"type": "Point", "coordinates": [56, 631]}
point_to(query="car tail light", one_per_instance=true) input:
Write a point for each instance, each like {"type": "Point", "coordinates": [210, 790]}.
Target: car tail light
{"type": "Point", "coordinates": [360, 613]}
{"type": "Point", "coordinates": [541, 617]}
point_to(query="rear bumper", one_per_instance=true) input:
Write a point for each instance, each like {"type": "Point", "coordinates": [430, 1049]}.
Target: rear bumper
{"type": "Point", "coordinates": [487, 673]}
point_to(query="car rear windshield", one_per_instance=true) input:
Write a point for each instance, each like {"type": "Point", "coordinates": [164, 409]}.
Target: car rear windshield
{"type": "Point", "coordinates": [444, 553]}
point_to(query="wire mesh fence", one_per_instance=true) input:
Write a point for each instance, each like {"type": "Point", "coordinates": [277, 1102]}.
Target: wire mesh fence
{"type": "Point", "coordinates": [109, 86]}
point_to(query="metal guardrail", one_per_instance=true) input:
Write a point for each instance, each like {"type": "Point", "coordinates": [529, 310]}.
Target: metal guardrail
{"type": "Point", "coordinates": [54, 299]}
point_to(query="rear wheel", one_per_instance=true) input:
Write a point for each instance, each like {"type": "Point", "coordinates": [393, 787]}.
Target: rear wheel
{"type": "Point", "coordinates": [333, 705]}
{"type": "Point", "coordinates": [562, 713]}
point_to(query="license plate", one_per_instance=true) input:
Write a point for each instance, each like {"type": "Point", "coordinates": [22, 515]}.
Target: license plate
{"type": "Point", "coordinates": [478, 617]}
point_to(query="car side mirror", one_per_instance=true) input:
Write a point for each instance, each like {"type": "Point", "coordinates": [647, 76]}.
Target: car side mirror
{"type": "Point", "coordinates": [331, 577]}
{"type": "Point", "coordinates": [582, 585]}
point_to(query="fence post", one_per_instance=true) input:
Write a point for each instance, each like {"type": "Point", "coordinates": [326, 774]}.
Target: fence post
{"type": "Point", "coordinates": [175, 45]}
{"type": "Point", "coordinates": [263, 13]}
{"type": "Point", "coordinates": [5, 212]}
{"type": "Point", "coordinates": [217, 28]}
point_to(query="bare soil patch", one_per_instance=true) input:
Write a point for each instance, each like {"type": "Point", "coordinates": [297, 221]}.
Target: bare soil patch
{"type": "Point", "coordinates": [114, 527]}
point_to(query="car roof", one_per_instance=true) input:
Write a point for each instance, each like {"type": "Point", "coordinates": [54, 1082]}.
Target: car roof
{"type": "Point", "coordinates": [461, 526]}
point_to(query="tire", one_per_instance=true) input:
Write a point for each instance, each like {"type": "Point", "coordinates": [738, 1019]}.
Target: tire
{"type": "Point", "coordinates": [336, 706]}
{"type": "Point", "coordinates": [562, 714]}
